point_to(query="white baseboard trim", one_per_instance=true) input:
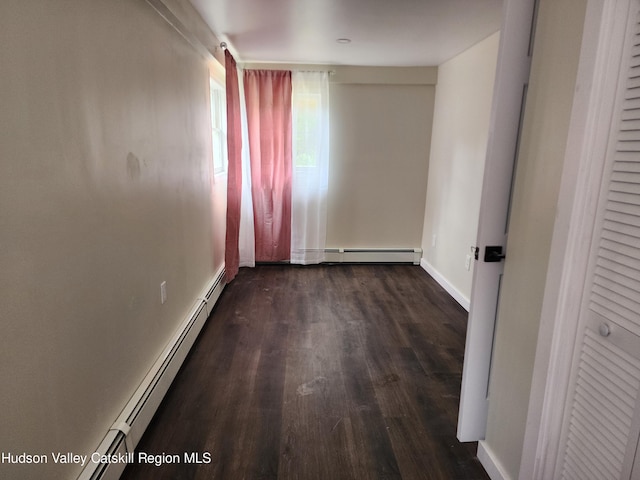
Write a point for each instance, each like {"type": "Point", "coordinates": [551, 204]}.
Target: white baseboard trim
{"type": "Point", "coordinates": [128, 428]}
{"type": "Point", "coordinates": [444, 283]}
{"type": "Point", "coordinates": [491, 465]}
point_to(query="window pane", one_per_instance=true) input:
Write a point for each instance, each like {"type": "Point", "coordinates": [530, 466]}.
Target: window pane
{"type": "Point", "coordinates": [307, 123]}
{"type": "Point", "coordinates": [218, 126]}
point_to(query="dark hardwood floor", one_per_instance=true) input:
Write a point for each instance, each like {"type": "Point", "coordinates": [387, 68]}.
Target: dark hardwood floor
{"type": "Point", "coordinates": [320, 372]}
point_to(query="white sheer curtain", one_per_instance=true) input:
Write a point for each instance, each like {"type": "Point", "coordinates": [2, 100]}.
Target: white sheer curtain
{"type": "Point", "coordinates": [310, 133]}
{"type": "Point", "coordinates": [246, 238]}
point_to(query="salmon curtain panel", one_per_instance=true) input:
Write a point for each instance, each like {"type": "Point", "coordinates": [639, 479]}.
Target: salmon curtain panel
{"type": "Point", "coordinates": [268, 103]}
{"type": "Point", "coordinates": [234, 168]}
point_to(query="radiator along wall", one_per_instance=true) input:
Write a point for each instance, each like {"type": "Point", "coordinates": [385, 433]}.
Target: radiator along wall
{"type": "Point", "coordinates": [105, 192]}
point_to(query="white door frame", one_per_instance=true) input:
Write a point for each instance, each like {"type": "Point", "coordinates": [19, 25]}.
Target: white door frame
{"type": "Point", "coordinates": [577, 206]}
{"type": "Point", "coordinates": [512, 77]}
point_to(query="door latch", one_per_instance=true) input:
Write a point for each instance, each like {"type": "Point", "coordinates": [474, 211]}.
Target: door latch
{"type": "Point", "coordinates": [493, 254]}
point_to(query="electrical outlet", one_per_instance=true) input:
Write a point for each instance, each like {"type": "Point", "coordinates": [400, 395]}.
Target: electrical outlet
{"type": "Point", "coordinates": [433, 240]}
{"type": "Point", "coordinates": [163, 292]}
{"type": "Point", "coordinates": [467, 262]}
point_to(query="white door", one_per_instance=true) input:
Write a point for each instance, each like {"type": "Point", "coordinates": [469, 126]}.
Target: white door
{"type": "Point", "coordinates": [601, 424]}
{"type": "Point", "coordinates": [512, 76]}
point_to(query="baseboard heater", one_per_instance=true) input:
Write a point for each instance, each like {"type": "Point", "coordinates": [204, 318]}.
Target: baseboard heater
{"type": "Point", "coordinates": [129, 427]}
{"type": "Point", "coordinates": [373, 255]}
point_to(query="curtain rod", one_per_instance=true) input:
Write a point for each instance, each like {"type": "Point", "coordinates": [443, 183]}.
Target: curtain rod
{"type": "Point", "coordinates": [223, 46]}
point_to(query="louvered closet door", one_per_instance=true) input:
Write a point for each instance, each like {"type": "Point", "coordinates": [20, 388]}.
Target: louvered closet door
{"type": "Point", "coordinates": [602, 419]}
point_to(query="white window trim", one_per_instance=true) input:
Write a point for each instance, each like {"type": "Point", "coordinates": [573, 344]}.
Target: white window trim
{"type": "Point", "coordinates": [217, 80]}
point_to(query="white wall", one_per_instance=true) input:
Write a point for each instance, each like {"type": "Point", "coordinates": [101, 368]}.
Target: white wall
{"type": "Point", "coordinates": [105, 192]}
{"type": "Point", "coordinates": [545, 130]}
{"type": "Point", "coordinates": [456, 165]}
{"type": "Point", "coordinates": [380, 139]}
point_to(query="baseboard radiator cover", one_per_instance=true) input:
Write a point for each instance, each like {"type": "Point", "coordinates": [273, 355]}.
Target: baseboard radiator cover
{"type": "Point", "coordinates": [373, 255]}
{"type": "Point", "coordinates": [130, 425]}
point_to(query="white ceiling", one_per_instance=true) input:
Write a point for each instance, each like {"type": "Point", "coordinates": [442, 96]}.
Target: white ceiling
{"type": "Point", "coordinates": [382, 32]}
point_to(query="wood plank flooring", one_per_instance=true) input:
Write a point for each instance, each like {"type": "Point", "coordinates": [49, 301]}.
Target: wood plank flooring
{"type": "Point", "coordinates": [320, 372]}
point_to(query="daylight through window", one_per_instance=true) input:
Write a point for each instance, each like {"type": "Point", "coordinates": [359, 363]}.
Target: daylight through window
{"type": "Point", "coordinates": [218, 126]}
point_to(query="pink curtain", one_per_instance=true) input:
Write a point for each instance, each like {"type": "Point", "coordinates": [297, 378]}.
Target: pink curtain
{"type": "Point", "coordinates": [268, 101]}
{"type": "Point", "coordinates": [234, 173]}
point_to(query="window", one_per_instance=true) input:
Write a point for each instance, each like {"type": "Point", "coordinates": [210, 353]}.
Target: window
{"type": "Point", "coordinates": [218, 126]}
{"type": "Point", "coordinates": [307, 118]}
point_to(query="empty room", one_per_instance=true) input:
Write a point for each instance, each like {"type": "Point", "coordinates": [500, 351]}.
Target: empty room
{"type": "Point", "coordinates": [319, 239]}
